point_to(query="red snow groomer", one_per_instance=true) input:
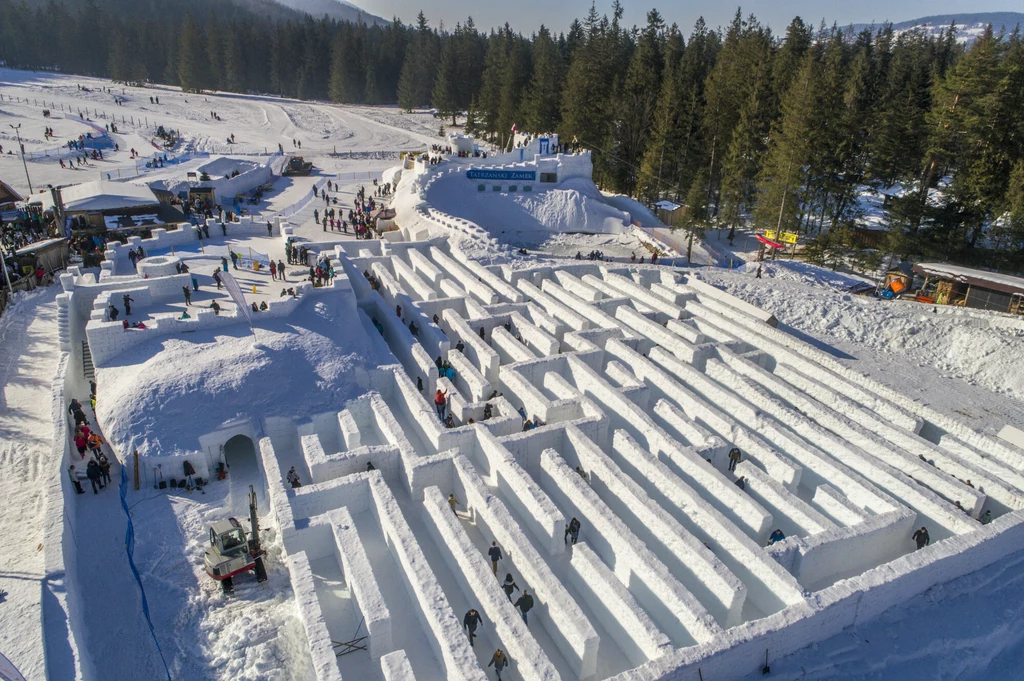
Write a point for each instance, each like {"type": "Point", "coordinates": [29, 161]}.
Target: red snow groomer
{"type": "Point", "coordinates": [231, 553]}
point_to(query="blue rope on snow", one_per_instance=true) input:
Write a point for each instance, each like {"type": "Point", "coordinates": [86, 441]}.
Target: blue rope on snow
{"type": "Point", "coordinates": [129, 545]}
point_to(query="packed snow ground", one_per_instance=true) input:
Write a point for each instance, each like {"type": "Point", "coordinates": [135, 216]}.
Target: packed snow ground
{"type": "Point", "coordinates": [28, 353]}
{"type": "Point", "coordinates": [257, 634]}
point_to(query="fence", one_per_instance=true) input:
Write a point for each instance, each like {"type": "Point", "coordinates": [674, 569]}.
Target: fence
{"type": "Point", "coordinates": [129, 547]}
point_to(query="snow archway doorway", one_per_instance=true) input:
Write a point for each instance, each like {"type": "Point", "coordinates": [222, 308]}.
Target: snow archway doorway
{"type": "Point", "coordinates": [243, 470]}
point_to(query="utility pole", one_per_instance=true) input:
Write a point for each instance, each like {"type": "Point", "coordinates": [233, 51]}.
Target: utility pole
{"type": "Point", "coordinates": [17, 130]}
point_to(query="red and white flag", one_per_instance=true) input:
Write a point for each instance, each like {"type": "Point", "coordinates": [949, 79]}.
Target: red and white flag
{"type": "Point", "coordinates": [513, 127]}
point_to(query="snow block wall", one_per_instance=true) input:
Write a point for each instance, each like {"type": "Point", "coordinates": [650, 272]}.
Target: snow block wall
{"type": "Point", "coordinates": [630, 438]}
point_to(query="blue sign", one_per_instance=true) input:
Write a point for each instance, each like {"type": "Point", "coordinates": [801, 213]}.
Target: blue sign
{"type": "Point", "coordinates": [502, 175]}
{"type": "Point", "coordinates": [544, 146]}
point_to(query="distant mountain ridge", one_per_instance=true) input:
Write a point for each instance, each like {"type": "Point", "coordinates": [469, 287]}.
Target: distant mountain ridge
{"type": "Point", "coordinates": [968, 25]}
{"type": "Point", "coordinates": [335, 9]}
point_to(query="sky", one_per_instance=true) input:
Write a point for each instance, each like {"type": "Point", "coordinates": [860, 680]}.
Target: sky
{"type": "Point", "coordinates": [527, 15]}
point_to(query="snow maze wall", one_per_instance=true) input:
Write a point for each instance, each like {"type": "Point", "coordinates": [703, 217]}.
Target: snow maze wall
{"type": "Point", "coordinates": [643, 380]}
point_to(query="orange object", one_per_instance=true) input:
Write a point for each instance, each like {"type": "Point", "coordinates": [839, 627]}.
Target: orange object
{"type": "Point", "coordinates": [896, 286]}
{"type": "Point", "coordinates": [924, 299]}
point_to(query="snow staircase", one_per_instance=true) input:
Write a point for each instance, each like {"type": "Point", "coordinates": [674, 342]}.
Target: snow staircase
{"type": "Point", "coordinates": [63, 322]}
{"type": "Point", "coordinates": [87, 367]}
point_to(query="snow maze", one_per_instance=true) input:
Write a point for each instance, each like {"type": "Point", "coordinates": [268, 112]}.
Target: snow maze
{"type": "Point", "coordinates": [643, 379]}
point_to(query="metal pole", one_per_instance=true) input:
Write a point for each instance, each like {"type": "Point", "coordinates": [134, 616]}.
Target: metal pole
{"type": "Point", "coordinates": [17, 130]}
{"type": "Point", "coordinates": [7, 277]}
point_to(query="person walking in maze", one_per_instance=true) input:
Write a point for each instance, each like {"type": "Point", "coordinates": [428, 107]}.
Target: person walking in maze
{"type": "Point", "coordinates": [128, 300]}
{"type": "Point", "coordinates": [470, 622]}
{"type": "Point", "coordinates": [509, 585]}
{"type": "Point", "coordinates": [524, 604]}
{"type": "Point", "coordinates": [452, 503]}
{"type": "Point", "coordinates": [572, 531]}
{"type": "Point", "coordinates": [921, 537]}
{"type": "Point", "coordinates": [441, 403]}
{"type": "Point", "coordinates": [735, 456]}
{"type": "Point", "coordinates": [499, 661]}
{"type": "Point", "coordinates": [776, 536]}
{"type": "Point", "coordinates": [495, 555]}
{"type": "Point", "coordinates": [188, 295]}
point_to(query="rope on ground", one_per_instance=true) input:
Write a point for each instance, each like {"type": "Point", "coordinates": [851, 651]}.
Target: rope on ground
{"type": "Point", "coordinates": [129, 545]}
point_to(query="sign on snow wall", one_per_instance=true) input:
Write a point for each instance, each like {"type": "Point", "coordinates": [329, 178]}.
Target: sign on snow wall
{"type": "Point", "coordinates": [502, 175]}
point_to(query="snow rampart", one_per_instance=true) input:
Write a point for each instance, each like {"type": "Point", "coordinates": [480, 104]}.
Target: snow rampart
{"type": "Point", "coordinates": [470, 571]}
{"type": "Point", "coordinates": [556, 611]}
{"type": "Point", "coordinates": [62, 612]}
{"type": "Point", "coordinates": [321, 649]}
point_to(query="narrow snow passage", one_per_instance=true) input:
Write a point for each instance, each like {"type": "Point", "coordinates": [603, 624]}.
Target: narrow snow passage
{"type": "Point", "coordinates": [28, 353]}
{"type": "Point", "coordinates": [112, 607]}
{"type": "Point", "coordinates": [407, 631]}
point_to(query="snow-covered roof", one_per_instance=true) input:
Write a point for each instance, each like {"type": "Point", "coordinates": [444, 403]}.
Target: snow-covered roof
{"type": "Point", "coordinates": [38, 246]}
{"type": "Point", "coordinates": [668, 205]}
{"type": "Point", "coordinates": [101, 195]}
{"type": "Point", "coordinates": [8, 195]}
{"type": "Point", "coordinates": [993, 280]}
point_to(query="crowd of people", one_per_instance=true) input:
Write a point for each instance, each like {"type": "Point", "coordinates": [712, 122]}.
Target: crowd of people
{"type": "Point", "coordinates": [96, 470]}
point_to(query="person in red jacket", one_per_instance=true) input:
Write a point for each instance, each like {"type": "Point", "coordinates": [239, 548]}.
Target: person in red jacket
{"type": "Point", "coordinates": [81, 441]}
{"type": "Point", "coordinates": [441, 403]}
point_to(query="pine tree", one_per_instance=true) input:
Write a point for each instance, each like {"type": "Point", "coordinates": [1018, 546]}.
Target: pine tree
{"type": "Point", "coordinates": [638, 104]}
{"type": "Point", "coordinates": [790, 147]}
{"type": "Point", "coordinates": [742, 159]}
{"type": "Point", "coordinates": [696, 209]}
{"type": "Point", "coordinates": [963, 141]}
{"type": "Point", "coordinates": [544, 93]}
{"type": "Point", "coordinates": [191, 60]}
{"type": "Point", "coordinates": [445, 95]}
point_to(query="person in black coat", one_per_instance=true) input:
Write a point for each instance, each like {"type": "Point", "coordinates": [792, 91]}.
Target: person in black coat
{"type": "Point", "coordinates": [509, 585]}
{"type": "Point", "coordinates": [470, 622]}
{"type": "Point", "coordinates": [495, 555]}
{"type": "Point", "coordinates": [922, 538]}
{"type": "Point", "coordinates": [524, 604]}
{"type": "Point", "coordinates": [95, 475]}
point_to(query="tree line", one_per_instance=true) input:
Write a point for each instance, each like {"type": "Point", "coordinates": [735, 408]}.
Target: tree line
{"type": "Point", "coordinates": [744, 127]}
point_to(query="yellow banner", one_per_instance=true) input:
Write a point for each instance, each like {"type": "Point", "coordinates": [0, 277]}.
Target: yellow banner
{"type": "Point", "coordinates": [784, 237]}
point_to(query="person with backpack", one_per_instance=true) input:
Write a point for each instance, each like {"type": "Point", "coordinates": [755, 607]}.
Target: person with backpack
{"type": "Point", "coordinates": [734, 458]}
{"type": "Point", "coordinates": [441, 403]}
{"type": "Point", "coordinates": [524, 605]}
{"type": "Point", "coordinates": [104, 464]}
{"type": "Point", "coordinates": [470, 622]}
{"type": "Point", "coordinates": [509, 585]}
{"type": "Point", "coordinates": [499, 661]}
{"type": "Point", "coordinates": [495, 555]}
{"type": "Point", "coordinates": [95, 444]}
{"type": "Point", "coordinates": [95, 476]}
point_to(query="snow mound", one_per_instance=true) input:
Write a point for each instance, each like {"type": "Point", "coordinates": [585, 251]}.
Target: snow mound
{"type": "Point", "coordinates": [158, 400]}
{"type": "Point", "coordinates": [516, 218]}
{"type": "Point", "coordinates": [982, 348]}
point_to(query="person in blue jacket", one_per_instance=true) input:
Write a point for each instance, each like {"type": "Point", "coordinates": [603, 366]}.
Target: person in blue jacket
{"type": "Point", "coordinates": [776, 536]}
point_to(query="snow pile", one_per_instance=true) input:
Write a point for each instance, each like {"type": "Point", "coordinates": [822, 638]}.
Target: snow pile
{"type": "Point", "coordinates": [981, 348]}
{"type": "Point", "coordinates": [803, 273]}
{"type": "Point", "coordinates": [158, 402]}
{"type": "Point", "coordinates": [527, 219]}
